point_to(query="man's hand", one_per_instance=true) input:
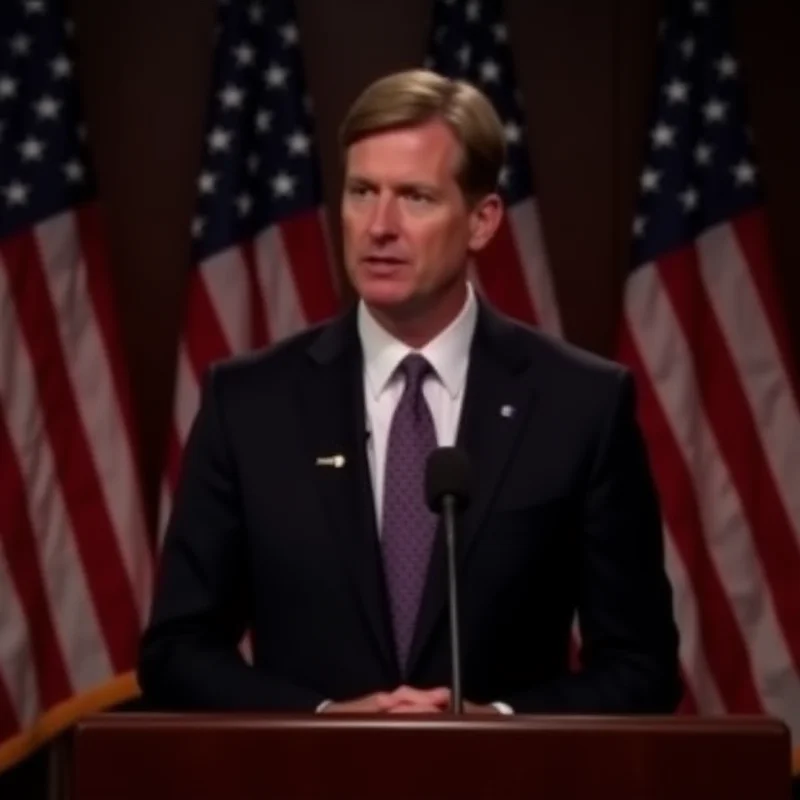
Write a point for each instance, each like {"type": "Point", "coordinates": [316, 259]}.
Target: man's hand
{"type": "Point", "coordinates": [403, 700]}
{"type": "Point", "coordinates": [408, 700]}
{"type": "Point", "coordinates": [430, 701]}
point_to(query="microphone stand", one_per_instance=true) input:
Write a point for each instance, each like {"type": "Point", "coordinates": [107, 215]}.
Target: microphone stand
{"type": "Point", "coordinates": [449, 513]}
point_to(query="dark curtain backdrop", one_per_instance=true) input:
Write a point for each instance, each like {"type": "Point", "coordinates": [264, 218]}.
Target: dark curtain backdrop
{"type": "Point", "coordinates": [585, 69]}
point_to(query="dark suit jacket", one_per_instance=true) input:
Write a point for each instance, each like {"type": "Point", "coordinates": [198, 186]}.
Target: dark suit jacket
{"type": "Point", "coordinates": [564, 517]}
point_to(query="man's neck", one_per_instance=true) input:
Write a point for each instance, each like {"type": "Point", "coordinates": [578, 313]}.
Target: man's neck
{"type": "Point", "coordinates": [420, 326]}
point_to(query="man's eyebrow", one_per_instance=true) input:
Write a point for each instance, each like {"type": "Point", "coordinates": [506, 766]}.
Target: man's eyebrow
{"type": "Point", "coordinates": [401, 186]}
{"type": "Point", "coordinates": [417, 186]}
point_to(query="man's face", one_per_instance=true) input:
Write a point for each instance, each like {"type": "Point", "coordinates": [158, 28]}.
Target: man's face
{"type": "Point", "coordinates": [407, 227]}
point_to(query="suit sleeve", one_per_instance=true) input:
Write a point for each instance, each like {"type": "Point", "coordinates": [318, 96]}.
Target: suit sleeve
{"type": "Point", "coordinates": [629, 641]}
{"type": "Point", "coordinates": [189, 656]}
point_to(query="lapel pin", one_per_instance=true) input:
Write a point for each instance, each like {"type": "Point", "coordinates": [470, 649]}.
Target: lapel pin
{"type": "Point", "coordinates": [336, 461]}
{"type": "Point", "coordinates": [507, 411]}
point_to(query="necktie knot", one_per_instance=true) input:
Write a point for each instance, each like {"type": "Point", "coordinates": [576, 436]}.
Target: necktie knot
{"type": "Point", "coordinates": [416, 368]}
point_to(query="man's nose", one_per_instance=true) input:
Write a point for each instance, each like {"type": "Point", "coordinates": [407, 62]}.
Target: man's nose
{"type": "Point", "coordinates": [384, 220]}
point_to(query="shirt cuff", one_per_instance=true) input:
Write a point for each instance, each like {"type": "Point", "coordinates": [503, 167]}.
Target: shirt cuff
{"type": "Point", "coordinates": [503, 708]}
{"type": "Point", "coordinates": [322, 706]}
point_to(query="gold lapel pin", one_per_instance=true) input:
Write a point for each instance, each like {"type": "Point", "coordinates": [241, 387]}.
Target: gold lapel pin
{"type": "Point", "coordinates": [337, 461]}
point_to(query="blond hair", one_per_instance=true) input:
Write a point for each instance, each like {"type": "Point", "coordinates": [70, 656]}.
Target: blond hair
{"type": "Point", "coordinates": [413, 97]}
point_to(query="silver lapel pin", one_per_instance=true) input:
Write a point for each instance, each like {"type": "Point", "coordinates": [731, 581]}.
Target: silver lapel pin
{"type": "Point", "coordinates": [337, 461]}
{"type": "Point", "coordinates": [507, 411]}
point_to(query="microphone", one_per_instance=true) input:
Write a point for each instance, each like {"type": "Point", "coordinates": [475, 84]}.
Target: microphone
{"type": "Point", "coordinates": [447, 492]}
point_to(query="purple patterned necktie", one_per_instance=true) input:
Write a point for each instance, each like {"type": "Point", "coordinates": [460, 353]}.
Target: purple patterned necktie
{"type": "Point", "coordinates": [408, 527]}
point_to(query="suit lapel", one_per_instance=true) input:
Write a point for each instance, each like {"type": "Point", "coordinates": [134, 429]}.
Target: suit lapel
{"type": "Point", "coordinates": [331, 405]}
{"type": "Point", "coordinates": [498, 398]}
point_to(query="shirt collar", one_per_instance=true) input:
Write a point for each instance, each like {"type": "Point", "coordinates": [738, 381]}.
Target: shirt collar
{"type": "Point", "coordinates": [448, 353]}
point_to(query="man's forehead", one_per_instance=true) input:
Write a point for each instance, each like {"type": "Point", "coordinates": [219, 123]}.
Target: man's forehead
{"type": "Point", "coordinates": [425, 147]}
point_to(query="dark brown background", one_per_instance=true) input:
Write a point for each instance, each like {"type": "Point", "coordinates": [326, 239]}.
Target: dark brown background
{"type": "Point", "coordinates": [585, 69]}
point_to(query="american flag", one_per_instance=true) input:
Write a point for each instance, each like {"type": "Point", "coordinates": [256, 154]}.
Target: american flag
{"type": "Point", "coordinates": [263, 268]}
{"type": "Point", "coordinates": [75, 560]}
{"type": "Point", "coordinates": [470, 41]}
{"type": "Point", "coordinates": [703, 333]}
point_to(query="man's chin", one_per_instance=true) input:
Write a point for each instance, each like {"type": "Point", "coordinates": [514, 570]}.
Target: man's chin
{"type": "Point", "coordinates": [387, 297]}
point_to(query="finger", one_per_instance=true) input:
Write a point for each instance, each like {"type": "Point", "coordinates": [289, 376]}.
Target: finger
{"type": "Point", "coordinates": [385, 701]}
{"type": "Point", "coordinates": [408, 694]}
{"type": "Point", "coordinates": [439, 696]}
{"type": "Point", "coordinates": [380, 700]}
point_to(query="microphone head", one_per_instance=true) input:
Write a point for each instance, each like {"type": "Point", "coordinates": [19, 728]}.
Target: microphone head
{"type": "Point", "coordinates": [447, 473]}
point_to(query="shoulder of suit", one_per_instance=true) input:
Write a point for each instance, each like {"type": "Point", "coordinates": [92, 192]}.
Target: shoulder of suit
{"type": "Point", "coordinates": [276, 360]}
{"type": "Point", "coordinates": [557, 356]}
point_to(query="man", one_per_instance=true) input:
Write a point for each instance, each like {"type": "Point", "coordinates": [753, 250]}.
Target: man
{"type": "Point", "coordinates": [300, 513]}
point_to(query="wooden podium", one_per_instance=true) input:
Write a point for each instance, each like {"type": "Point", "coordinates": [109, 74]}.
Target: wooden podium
{"type": "Point", "coordinates": [200, 756]}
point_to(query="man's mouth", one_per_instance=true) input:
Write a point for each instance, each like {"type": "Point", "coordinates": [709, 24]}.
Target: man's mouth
{"type": "Point", "coordinates": [391, 260]}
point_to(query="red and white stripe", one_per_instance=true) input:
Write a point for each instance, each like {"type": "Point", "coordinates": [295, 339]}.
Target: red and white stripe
{"type": "Point", "coordinates": [703, 334]}
{"type": "Point", "coordinates": [75, 560]}
{"type": "Point", "coordinates": [246, 298]}
{"type": "Point", "coordinates": [513, 271]}
{"type": "Point", "coordinates": [697, 674]}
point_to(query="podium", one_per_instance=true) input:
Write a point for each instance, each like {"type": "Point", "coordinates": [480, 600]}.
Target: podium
{"type": "Point", "coordinates": [202, 756]}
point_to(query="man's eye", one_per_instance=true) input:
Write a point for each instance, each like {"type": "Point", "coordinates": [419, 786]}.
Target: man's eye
{"type": "Point", "coordinates": [418, 198]}
{"type": "Point", "coordinates": [358, 191]}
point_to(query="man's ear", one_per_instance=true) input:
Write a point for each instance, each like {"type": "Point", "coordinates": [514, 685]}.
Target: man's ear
{"type": "Point", "coordinates": [485, 218]}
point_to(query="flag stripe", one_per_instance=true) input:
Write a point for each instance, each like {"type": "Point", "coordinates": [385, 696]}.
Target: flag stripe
{"type": "Point", "coordinates": [751, 232]}
{"type": "Point", "coordinates": [278, 285]}
{"type": "Point", "coordinates": [205, 339]}
{"type": "Point", "coordinates": [128, 490]}
{"type": "Point", "coordinates": [259, 323]}
{"type": "Point", "coordinates": [308, 259]}
{"type": "Point", "coordinates": [204, 342]}
{"type": "Point", "coordinates": [722, 523]}
{"type": "Point", "coordinates": [9, 716]}
{"type": "Point", "coordinates": [526, 227]}
{"type": "Point", "coordinates": [500, 274]}
{"type": "Point", "coordinates": [187, 396]}
{"type": "Point", "coordinates": [173, 459]}
{"type": "Point", "coordinates": [228, 292]}
{"type": "Point", "coordinates": [700, 685]}
{"type": "Point", "coordinates": [25, 590]}
{"type": "Point", "coordinates": [76, 471]}
{"type": "Point", "coordinates": [43, 522]}
{"type": "Point", "coordinates": [186, 401]}
{"type": "Point", "coordinates": [96, 263]}
{"type": "Point", "coordinates": [758, 363]}
{"type": "Point", "coordinates": [724, 643]}
{"type": "Point", "coordinates": [18, 690]}
{"type": "Point", "coordinates": [731, 420]}
{"type": "Point", "coordinates": [75, 286]}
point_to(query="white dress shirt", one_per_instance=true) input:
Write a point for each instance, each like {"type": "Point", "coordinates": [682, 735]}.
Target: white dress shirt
{"type": "Point", "coordinates": [448, 355]}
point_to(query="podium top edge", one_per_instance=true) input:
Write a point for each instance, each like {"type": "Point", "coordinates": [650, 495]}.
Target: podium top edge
{"type": "Point", "coordinates": [635, 723]}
